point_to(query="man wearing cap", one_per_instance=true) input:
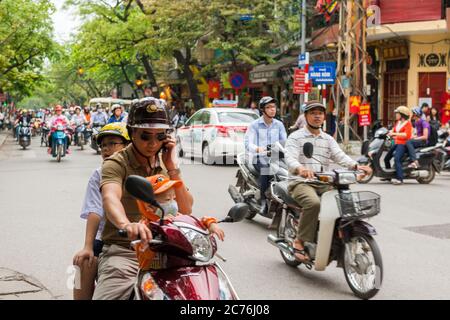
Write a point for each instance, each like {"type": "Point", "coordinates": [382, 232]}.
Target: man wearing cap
{"type": "Point", "coordinates": [307, 193]}
{"type": "Point", "coordinates": [151, 152]}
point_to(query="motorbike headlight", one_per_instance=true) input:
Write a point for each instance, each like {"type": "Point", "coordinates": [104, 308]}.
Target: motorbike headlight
{"type": "Point", "coordinates": [226, 293]}
{"type": "Point", "coordinates": [347, 178]}
{"type": "Point", "coordinates": [59, 127]}
{"type": "Point", "coordinates": [201, 244]}
{"type": "Point", "coordinates": [151, 290]}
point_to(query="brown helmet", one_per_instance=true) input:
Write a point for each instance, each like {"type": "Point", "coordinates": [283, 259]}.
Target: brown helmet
{"type": "Point", "coordinates": [148, 112]}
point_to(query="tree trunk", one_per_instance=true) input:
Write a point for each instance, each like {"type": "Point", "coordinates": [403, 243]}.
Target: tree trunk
{"type": "Point", "coordinates": [150, 75]}
{"type": "Point", "coordinates": [124, 72]}
{"type": "Point", "coordinates": [189, 76]}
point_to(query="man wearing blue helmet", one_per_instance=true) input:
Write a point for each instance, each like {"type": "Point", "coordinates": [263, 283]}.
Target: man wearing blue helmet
{"type": "Point", "coordinates": [420, 139]}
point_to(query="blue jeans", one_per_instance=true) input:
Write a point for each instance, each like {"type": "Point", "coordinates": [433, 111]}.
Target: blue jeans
{"type": "Point", "coordinates": [264, 179]}
{"type": "Point", "coordinates": [399, 150]}
{"type": "Point", "coordinates": [412, 145]}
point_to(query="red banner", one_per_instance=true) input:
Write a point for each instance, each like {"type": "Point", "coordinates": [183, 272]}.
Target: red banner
{"type": "Point", "coordinates": [300, 86]}
{"type": "Point", "coordinates": [355, 102]}
{"type": "Point", "coordinates": [214, 89]}
{"type": "Point", "coordinates": [364, 115]}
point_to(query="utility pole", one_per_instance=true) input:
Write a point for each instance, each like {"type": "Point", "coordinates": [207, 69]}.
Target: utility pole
{"type": "Point", "coordinates": [303, 97]}
{"type": "Point", "coordinates": [352, 57]}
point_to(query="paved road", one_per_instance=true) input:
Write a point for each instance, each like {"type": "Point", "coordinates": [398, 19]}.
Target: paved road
{"type": "Point", "coordinates": [41, 229]}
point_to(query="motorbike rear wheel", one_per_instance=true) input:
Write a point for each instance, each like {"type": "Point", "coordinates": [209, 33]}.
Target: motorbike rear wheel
{"type": "Point", "coordinates": [429, 178]}
{"type": "Point", "coordinates": [363, 271]}
{"type": "Point", "coordinates": [288, 232]}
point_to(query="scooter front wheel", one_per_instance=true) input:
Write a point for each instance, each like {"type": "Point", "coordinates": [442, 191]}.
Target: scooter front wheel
{"type": "Point", "coordinates": [363, 267]}
{"type": "Point", "coordinates": [59, 153]}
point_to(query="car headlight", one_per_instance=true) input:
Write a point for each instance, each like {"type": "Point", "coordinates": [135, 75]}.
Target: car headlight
{"type": "Point", "coordinates": [201, 244]}
{"type": "Point", "coordinates": [347, 178]}
{"type": "Point", "coordinates": [151, 290]}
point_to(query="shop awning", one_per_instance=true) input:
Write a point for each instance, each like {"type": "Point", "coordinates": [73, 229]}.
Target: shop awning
{"type": "Point", "coordinates": [269, 72]}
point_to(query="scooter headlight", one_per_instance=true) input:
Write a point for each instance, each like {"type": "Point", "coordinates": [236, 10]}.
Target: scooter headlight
{"type": "Point", "coordinates": [347, 178]}
{"type": "Point", "coordinates": [59, 127]}
{"type": "Point", "coordinates": [201, 244]}
{"type": "Point", "coordinates": [150, 289]}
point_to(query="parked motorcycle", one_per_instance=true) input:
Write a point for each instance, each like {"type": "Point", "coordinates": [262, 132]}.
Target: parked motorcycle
{"type": "Point", "coordinates": [183, 268]}
{"type": "Point", "coordinates": [59, 142]}
{"type": "Point", "coordinates": [372, 151]}
{"type": "Point", "coordinates": [342, 236]}
{"type": "Point", "coordinates": [247, 186]}
{"type": "Point", "coordinates": [95, 129]}
{"type": "Point", "coordinates": [24, 135]}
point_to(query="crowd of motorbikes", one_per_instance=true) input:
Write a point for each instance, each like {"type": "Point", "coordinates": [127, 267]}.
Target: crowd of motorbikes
{"type": "Point", "coordinates": [60, 135]}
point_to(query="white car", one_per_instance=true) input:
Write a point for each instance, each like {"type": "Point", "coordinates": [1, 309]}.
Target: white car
{"type": "Point", "coordinates": [214, 133]}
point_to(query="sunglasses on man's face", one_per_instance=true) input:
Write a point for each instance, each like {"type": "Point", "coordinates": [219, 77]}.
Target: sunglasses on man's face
{"type": "Point", "coordinates": [148, 137]}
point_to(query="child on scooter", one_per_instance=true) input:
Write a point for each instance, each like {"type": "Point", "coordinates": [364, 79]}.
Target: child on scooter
{"type": "Point", "coordinates": [163, 188]}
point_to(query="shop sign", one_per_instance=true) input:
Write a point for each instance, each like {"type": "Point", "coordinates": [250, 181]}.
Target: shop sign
{"type": "Point", "coordinates": [432, 60]}
{"type": "Point", "coordinates": [263, 76]}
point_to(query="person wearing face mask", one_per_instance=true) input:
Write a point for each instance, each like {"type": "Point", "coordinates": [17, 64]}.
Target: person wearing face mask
{"type": "Point", "coordinates": [164, 191]}
{"type": "Point", "coordinates": [261, 133]}
{"type": "Point", "coordinates": [151, 152]}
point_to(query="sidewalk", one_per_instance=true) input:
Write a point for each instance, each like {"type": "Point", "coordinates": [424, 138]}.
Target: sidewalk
{"type": "Point", "coordinates": [3, 136]}
{"type": "Point", "coordinates": [17, 286]}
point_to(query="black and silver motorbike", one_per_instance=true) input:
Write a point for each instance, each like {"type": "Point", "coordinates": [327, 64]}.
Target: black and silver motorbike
{"type": "Point", "coordinates": [373, 150]}
{"type": "Point", "coordinates": [342, 234]}
{"type": "Point", "coordinates": [95, 129]}
{"type": "Point", "coordinates": [24, 135]}
{"type": "Point", "coordinates": [247, 188]}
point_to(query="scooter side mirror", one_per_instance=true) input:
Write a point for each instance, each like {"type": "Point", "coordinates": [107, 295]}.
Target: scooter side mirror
{"type": "Point", "coordinates": [308, 150]}
{"type": "Point", "coordinates": [365, 147]}
{"type": "Point", "coordinates": [140, 188]}
{"type": "Point", "coordinates": [237, 213]}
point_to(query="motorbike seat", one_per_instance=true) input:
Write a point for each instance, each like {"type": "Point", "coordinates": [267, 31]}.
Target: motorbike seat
{"type": "Point", "coordinates": [252, 169]}
{"type": "Point", "coordinates": [281, 190]}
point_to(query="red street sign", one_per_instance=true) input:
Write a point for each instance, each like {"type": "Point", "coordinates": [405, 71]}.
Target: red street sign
{"type": "Point", "coordinates": [364, 115]}
{"type": "Point", "coordinates": [300, 88]}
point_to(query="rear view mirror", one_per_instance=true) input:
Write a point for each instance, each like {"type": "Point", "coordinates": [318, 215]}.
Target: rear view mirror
{"type": "Point", "coordinates": [140, 188]}
{"type": "Point", "coordinates": [237, 213]}
{"type": "Point", "coordinates": [308, 150]}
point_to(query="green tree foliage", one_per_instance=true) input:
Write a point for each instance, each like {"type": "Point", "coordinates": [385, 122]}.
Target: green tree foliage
{"type": "Point", "coordinates": [25, 43]}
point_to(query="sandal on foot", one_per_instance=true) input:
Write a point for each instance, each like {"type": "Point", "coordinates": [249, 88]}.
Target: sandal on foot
{"type": "Point", "coordinates": [306, 258]}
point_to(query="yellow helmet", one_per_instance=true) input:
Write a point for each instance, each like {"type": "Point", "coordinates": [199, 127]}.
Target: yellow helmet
{"type": "Point", "coordinates": [403, 111]}
{"type": "Point", "coordinates": [113, 129]}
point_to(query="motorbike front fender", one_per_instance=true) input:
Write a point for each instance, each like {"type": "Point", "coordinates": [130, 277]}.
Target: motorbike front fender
{"type": "Point", "coordinates": [364, 227]}
{"type": "Point", "coordinates": [189, 283]}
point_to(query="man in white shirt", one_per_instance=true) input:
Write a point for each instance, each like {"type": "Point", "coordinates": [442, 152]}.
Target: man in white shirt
{"type": "Point", "coordinates": [307, 193]}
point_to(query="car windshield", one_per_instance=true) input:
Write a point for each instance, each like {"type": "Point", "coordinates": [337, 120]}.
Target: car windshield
{"type": "Point", "coordinates": [236, 117]}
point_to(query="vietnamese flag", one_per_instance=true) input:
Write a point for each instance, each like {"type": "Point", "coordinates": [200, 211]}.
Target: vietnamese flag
{"type": "Point", "coordinates": [214, 89]}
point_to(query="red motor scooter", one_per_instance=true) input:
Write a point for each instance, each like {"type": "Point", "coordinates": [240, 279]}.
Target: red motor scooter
{"type": "Point", "coordinates": [183, 268]}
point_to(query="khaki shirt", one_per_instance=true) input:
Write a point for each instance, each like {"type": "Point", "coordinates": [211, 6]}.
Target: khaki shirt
{"type": "Point", "coordinates": [116, 169]}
